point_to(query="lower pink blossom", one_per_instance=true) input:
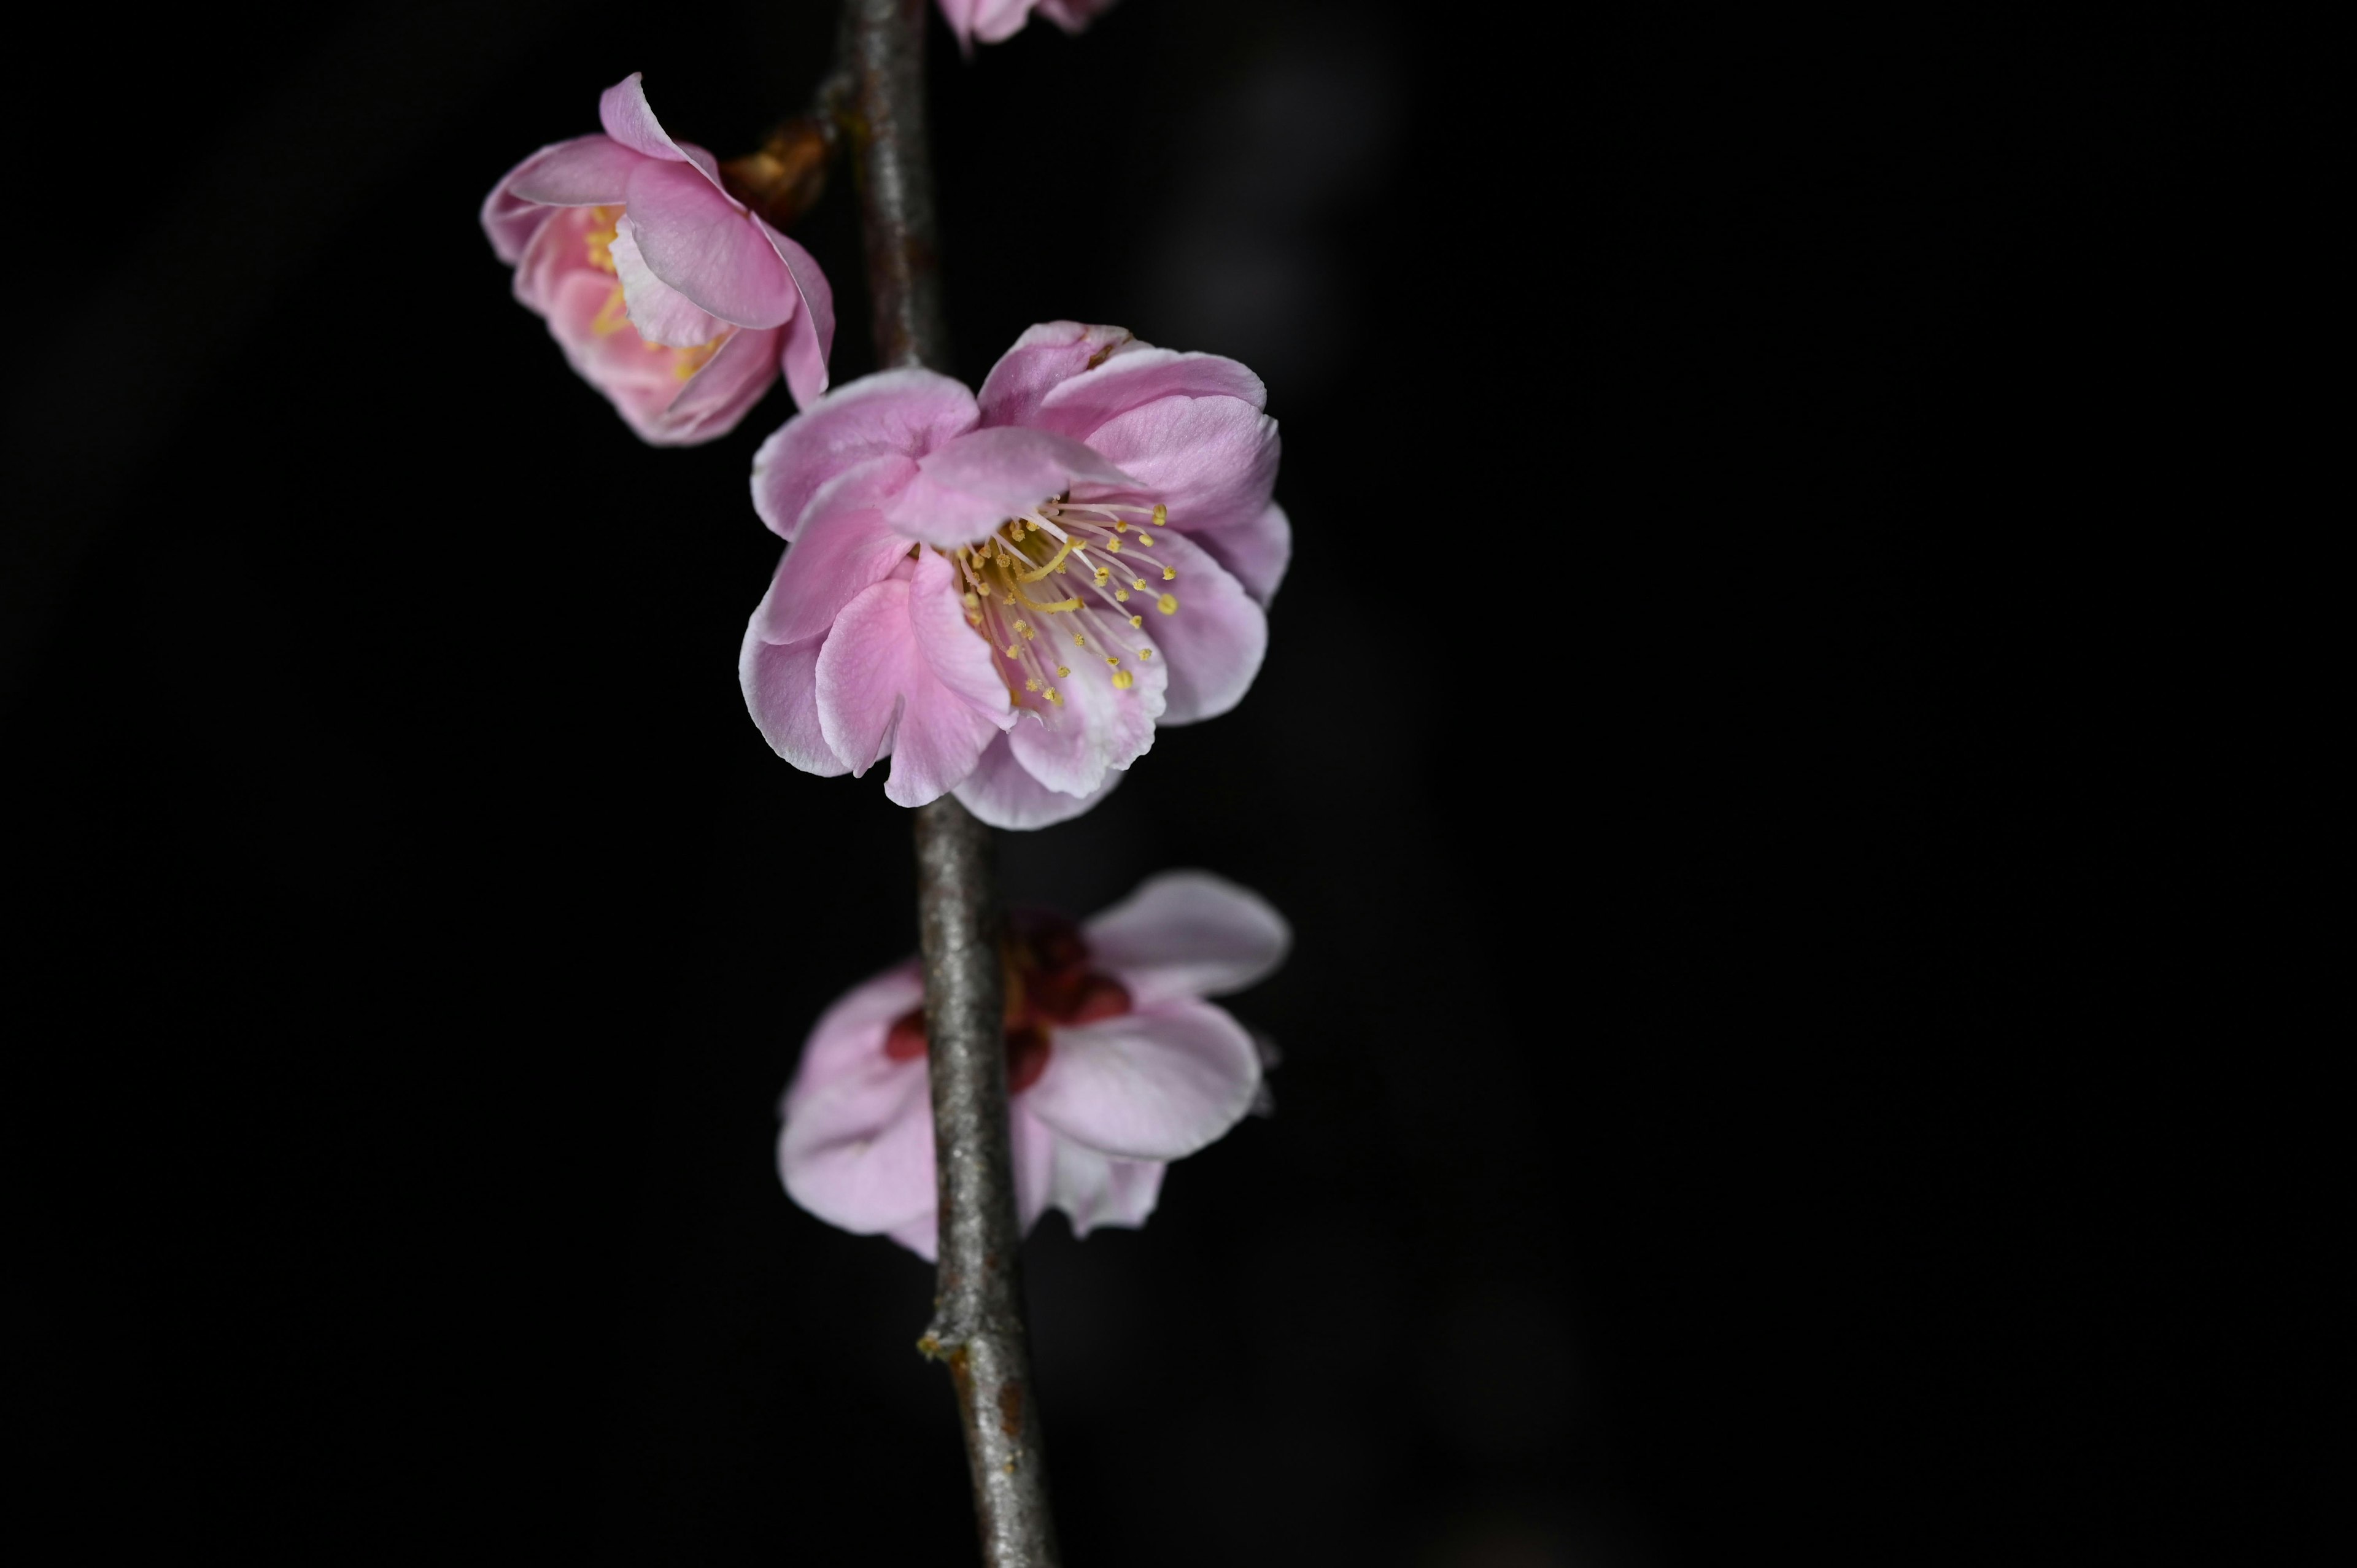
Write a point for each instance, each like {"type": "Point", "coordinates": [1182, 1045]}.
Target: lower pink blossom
{"type": "Point", "coordinates": [1007, 593]}
{"type": "Point", "coordinates": [1116, 1065]}
{"type": "Point", "coordinates": [995, 21]}
{"type": "Point", "coordinates": [665, 293]}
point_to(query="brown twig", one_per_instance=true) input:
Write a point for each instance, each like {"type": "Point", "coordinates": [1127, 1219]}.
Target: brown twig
{"type": "Point", "coordinates": [978, 1325]}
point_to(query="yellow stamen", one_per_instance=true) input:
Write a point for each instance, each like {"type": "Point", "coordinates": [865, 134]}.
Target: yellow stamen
{"type": "Point", "coordinates": [609, 318]}
{"type": "Point", "coordinates": [1161, 514]}
{"type": "Point", "coordinates": [1167, 604]}
{"type": "Point", "coordinates": [1137, 620]}
{"type": "Point", "coordinates": [601, 238]}
{"type": "Point", "coordinates": [1169, 573]}
{"type": "Point", "coordinates": [1123, 680]}
{"type": "Point", "coordinates": [1053, 562]}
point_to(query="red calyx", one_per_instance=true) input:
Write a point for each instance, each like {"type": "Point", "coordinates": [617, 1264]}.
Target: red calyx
{"type": "Point", "coordinates": [1048, 982]}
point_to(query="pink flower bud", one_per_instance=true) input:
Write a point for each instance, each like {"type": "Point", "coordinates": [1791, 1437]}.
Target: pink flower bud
{"type": "Point", "coordinates": [666, 293]}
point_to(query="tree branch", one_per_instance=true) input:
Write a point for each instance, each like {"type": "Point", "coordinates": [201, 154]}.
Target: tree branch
{"type": "Point", "coordinates": [977, 1324]}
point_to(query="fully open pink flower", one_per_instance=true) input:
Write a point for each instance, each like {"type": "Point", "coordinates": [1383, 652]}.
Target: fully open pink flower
{"type": "Point", "coordinates": [1116, 1065]}
{"type": "Point", "coordinates": [995, 21]}
{"type": "Point", "coordinates": [1006, 594]}
{"type": "Point", "coordinates": [665, 293]}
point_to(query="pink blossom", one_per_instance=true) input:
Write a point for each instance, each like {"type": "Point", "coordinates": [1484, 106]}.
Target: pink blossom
{"type": "Point", "coordinates": [1116, 1065]}
{"type": "Point", "coordinates": [995, 21]}
{"type": "Point", "coordinates": [665, 293]}
{"type": "Point", "coordinates": [1007, 593]}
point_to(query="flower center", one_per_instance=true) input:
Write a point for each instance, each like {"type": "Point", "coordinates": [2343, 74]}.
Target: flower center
{"type": "Point", "coordinates": [612, 316]}
{"type": "Point", "coordinates": [1048, 982]}
{"type": "Point", "coordinates": [1114, 546]}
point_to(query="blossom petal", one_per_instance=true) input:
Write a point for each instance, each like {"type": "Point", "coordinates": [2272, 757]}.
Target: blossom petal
{"type": "Point", "coordinates": [1188, 933]}
{"type": "Point", "coordinates": [1155, 1084]}
{"type": "Point", "coordinates": [1077, 405]}
{"type": "Point", "coordinates": [858, 1151]}
{"type": "Point", "coordinates": [1212, 460]}
{"type": "Point", "coordinates": [1041, 359]}
{"type": "Point", "coordinates": [711, 250]}
{"type": "Point", "coordinates": [850, 1033]}
{"type": "Point", "coordinates": [920, 1235]}
{"type": "Point", "coordinates": [587, 171]}
{"type": "Point", "coordinates": [881, 689]}
{"type": "Point", "coordinates": [1003, 795]}
{"type": "Point", "coordinates": [1098, 730]}
{"type": "Point", "coordinates": [810, 337]}
{"type": "Point", "coordinates": [722, 393]}
{"type": "Point", "coordinates": [843, 545]}
{"type": "Point", "coordinates": [1097, 1189]}
{"type": "Point", "coordinates": [1033, 1145]}
{"type": "Point", "coordinates": [969, 483]}
{"type": "Point", "coordinates": [1213, 642]}
{"type": "Point", "coordinates": [907, 411]}
{"type": "Point", "coordinates": [1256, 552]}
{"type": "Point", "coordinates": [660, 312]}
{"type": "Point", "coordinates": [780, 685]}
{"type": "Point", "coordinates": [630, 119]}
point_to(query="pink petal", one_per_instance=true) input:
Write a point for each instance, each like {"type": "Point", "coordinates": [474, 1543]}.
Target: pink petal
{"type": "Point", "coordinates": [1034, 1148]}
{"type": "Point", "coordinates": [1072, 16]}
{"type": "Point", "coordinates": [858, 1149]}
{"type": "Point", "coordinates": [1213, 642]}
{"type": "Point", "coordinates": [879, 690]}
{"type": "Point", "coordinates": [587, 171]}
{"type": "Point", "coordinates": [920, 1235]}
{"type": "Point", "coordinates": [1099, 729]}
{"type": "Point", "coordinates": [959, 657]}
{"type": "Point", "coordinates": [1079, 405]}
{"type": "Point", "coordinates": [969, 483]}
{"type": "Point", "coordinates": [1155, 1084]}
{"type": "Point", "coordinates": [623, 110]}
{"type": "Point", "coordinates": [1256, 552]}
{"type": "Point", "coordinates": [842, 547]}
{"type": "Point", "coordinates": [1188, 933]}
{"type": "Point", "coordinates": [781, 686]}
{"type": "Point", "coordinates": [850, 1033]}
{"type": "Point", "coordinates": [722, 393]}
{"type": "Point", "coordinates": [1212, 460]}
{"type": "Point", "coordinates": [1003, 795]}
{"type": "Point", "coordinates": [810, 337]}
{"type": "Point", "coordinates": [702, 244]}
{"type": "Point", "coordinates": [660, 312]}
{"type": "Point", "coordinates": [1097, 1189]}
{"type": "Point", "coordinates": [558, 252]}
{"type": "Point", "coordinates": [908, 413]}
{"type": "Point", "coordinates": [1042, 359]}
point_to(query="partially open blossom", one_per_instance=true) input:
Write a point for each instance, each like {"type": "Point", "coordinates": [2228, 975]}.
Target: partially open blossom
{"type": "Point", "coordinates": [995, 21]}
{"type": "Point", "coordinates": [1005, 592]}
{"type": "Point", "coordinates": [1116, 1065]}
{"type": "Point", "coordinates": [665, 293]}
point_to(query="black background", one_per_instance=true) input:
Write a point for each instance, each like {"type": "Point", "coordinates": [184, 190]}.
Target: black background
{"type": "Point", "coordinates": [1696, 754]}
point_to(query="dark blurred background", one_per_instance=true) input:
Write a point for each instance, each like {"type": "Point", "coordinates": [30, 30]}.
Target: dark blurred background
{"type": "Point", "coordinates": [1711, 1123]}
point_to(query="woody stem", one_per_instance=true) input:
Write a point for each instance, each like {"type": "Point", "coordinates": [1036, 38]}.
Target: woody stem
{"type": "Point", "coordinates": [978, 1325]}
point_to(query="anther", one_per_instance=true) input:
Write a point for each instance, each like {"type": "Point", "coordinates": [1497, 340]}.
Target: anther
{"type": "Point", "coordinates": [1137, 620]}
{"type": "Point", "coordinates": [1161, 514]}
{"type": "Point", "coordinates": [1167, 604]}
{"type": "Point", "coordinates": [1063, 672]}
{"type": "Point", "coordinates": [1138, 582]}
{"type": "Point", "coordinates": [1170, 574]}
{"type": "Point", "coordinates": [1123, 680]}
{"type": "Point", "coordinates": [1122, 594]}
